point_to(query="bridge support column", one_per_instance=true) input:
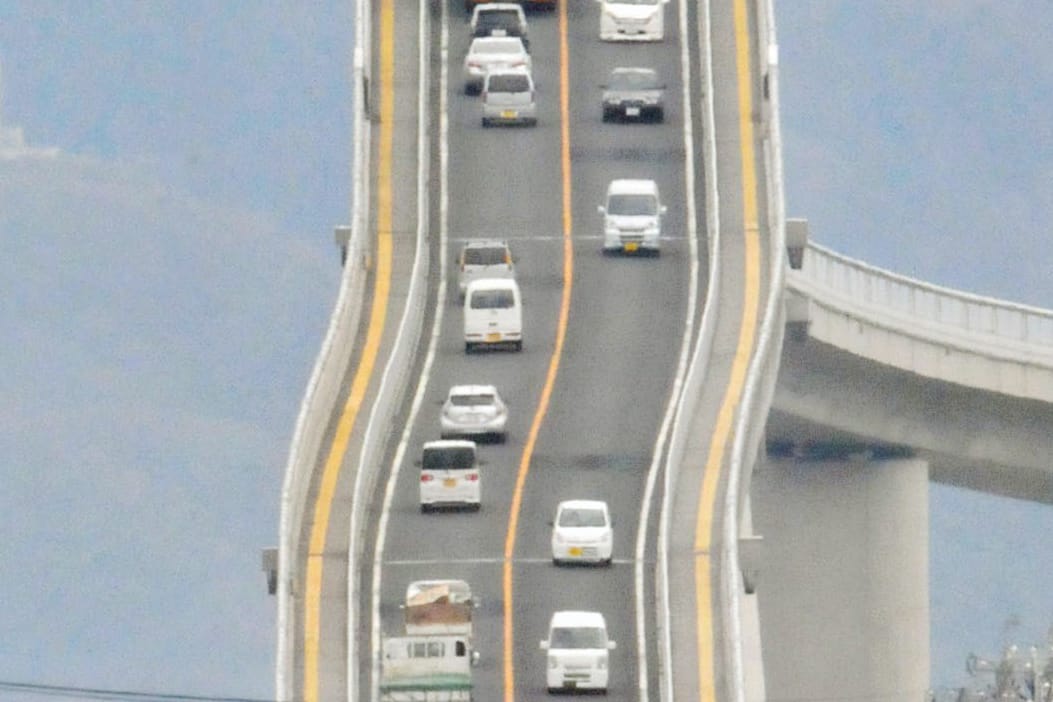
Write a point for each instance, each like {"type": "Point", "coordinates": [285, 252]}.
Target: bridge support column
{"type": "Point", "coordinates": [844, 596]}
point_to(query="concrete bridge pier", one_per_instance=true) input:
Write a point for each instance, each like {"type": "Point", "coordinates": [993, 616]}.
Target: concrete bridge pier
{"type": "Point", "coordinates": [843, 587]}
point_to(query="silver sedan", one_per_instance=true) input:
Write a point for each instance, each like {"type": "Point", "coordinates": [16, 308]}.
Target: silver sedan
{"type": "Point", "coordinates": [475, 411]}
{"type": "Point", "coordinates": [487, 53]}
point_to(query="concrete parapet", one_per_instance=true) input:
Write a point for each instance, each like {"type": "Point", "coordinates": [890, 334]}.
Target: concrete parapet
{"type": "Point", "coordinates": [935, 332]}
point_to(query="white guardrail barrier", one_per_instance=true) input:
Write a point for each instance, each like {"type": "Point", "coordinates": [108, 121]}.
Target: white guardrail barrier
{"type": "Point", "coordinates": [323, 389]}
{"type": "Point", "coordinates": [934, 331]}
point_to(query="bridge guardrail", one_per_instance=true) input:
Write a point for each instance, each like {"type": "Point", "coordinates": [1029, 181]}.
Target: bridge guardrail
{"type": "Point", "coordinates": [920, 324]}
{"type": "Point", "coordinates": [323, 388]}
{"type": "Point", "coordinates": [752, 412]}
{"type": "Point", "coordinates": [696, 374]}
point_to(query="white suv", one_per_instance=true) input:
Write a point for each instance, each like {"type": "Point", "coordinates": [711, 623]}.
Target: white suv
{"type": "Point", "coordinates": [632, 217]}
{"type": "Point", "coordinates": [578, 647]}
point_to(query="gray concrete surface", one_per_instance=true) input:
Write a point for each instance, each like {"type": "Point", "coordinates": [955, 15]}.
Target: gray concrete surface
{"type": "Point", "coordinates": [843, 589]}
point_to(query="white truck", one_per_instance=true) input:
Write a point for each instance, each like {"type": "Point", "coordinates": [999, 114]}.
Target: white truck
{"type": "Point", "coordinates": [433, 661]}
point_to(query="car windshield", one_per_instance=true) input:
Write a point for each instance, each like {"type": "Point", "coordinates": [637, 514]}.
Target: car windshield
{"type": "Point", "coordinates": [634, 80]}
{"type": "Point", "coordinates": [502, 46]}
{"type": "Point", "coordinates": [508, 83]}
{"type": "Point", "coordinates": [492, 299]}
{"type": "Point", "coordinates": [472, 400]}
{"type": "Point", "coordinates": [492, 256]}
{"type": "Point", "coordinates": [632, 205]}
{"type": "Point", "coordinates": [582, 517]}
{"type": "Point", "coordinates": [578, 637]}
{"type": "Point", "coordinates": [448, 458]}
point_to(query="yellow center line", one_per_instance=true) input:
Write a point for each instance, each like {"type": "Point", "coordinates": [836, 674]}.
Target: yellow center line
{"type": "Point", "coordinates": [367, 362]}
{"type": "Point", "coordinates": [557, 352]}
{"type": "Point", "coordinates": [740, 364]}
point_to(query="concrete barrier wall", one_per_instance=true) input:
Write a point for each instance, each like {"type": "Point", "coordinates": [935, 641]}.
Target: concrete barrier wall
{"type": "Point", "coordinates": [927, 329]}
{"type": "Point", "coordinates": [323, 389]}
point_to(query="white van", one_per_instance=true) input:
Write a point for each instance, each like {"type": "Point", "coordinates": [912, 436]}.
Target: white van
{"type": "Point", "coordinates": [493, 314]}
{"type": "Point", "coordinates": [449, 475]}
{"type": "Point", "coordinates": [632, 20]}
{"type": "Point", "coordinates": [632, 216]}
{"type": "Point", "coordinates": [577, 648]}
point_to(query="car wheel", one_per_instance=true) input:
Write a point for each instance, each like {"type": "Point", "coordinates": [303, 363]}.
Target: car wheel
{"type": "Point", "coordinates": [607, 115]}
{"type": "Point", "coordinates": [502, 437]}
{"type": "Point", "coordinates": [607, 562]}
{"type": "Point", "coordinates": [659, 115]}
{"type": "Point", "coordinates": [486, 122]}
{"type": "Point", "coordinates": [557, 562]}
{"type": "Point", "coordinates": [468, 347]}
{"type": "Point", "coordinates": [476, 507]}
{"type": "Point", "coordinates": [517, 346]}
{"type": "Point", "coordinates": [424, 508]}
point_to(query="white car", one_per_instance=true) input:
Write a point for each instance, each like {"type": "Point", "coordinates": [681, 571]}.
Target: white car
{"type": "Point", "coordinates": [581, 533]}
{"type": "Point", "coordinates": [578, 651]}
{"type": "Point", "coordinates": [483, 259]}
{"type": "Point", "coordinates": [632, 20]}
{"type": "Point", "coordinates": [632, 217]}
{"type": "Point", "coordinates": [487, 53]}
{"type": "Point", "coordinates": [474, 411]}
{"type": "Point", "coordinates": [449, 475]}
{"type": "Point", "coordinates": [493, 314]}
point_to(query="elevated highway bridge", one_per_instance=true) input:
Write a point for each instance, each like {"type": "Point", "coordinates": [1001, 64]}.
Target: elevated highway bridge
{"type": "Point", "coordinates": [764, 435]}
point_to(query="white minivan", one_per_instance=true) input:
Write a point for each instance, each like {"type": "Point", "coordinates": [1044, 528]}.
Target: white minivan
{"type": "Point", "coordinates": [449, 475]}
{"type": "Point", "coordinates": [632, 20]}
{"type": "Point", "coordinates": [493, 314]}
{"type": "Point", "coordinates": [632, 216]}
{"type": "Point", "coordinates": [577, 646]}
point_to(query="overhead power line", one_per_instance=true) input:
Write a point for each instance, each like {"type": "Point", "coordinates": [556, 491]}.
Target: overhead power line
{"type": "Point", "coordinates": [90, 693]}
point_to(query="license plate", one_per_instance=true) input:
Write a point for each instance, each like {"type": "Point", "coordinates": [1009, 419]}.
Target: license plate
{"type": "Point", "coordinates": [574, 551]}
{"type": "Point", "coordinates": [493, 336]}
{"type": "Point", "coordinates": [631, 247]}
{"type": "Point", "coordinates": [449, 482]}
{"type": "Point", "coordinates": [508, 114]}
{"type": "Point", "coordinates": [632, 111]}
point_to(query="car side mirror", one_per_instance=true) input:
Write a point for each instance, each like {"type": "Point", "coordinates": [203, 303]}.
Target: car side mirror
{"type": "Point", "coordinates": [611, 645]}
{"type": "Point", "coordinates": [662, 209]}
{"type": "Point", "coordinates": [544, 645]}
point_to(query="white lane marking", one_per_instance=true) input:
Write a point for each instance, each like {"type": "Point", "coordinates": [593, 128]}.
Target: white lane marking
{"type": "Point", "coordinates": [422, 384]}
{"type": "Point", "coordinates": [682, 363]}
{"type": "Point", "coordinates": [488, 561]}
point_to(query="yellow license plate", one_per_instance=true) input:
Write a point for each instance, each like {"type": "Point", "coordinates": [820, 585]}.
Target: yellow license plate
{"type": "Point", "coordinates": [508, 114]}
{"type": "Point", "coordinates": [574, 551]}
{"type": "Point", "coordinates": [631, 246]}
{"type": "Point", "coordinates": [449, 482]}
{"type": "Point", "coordinates": [493, 336]}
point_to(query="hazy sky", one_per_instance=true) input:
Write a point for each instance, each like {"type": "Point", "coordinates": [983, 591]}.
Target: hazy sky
{"type": "Point", "coordinates": [169, 276]}
{"type": "Point", "coordinates": [170, 272]}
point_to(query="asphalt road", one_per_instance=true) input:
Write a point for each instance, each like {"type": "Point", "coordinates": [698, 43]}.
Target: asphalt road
{"type": "Point", "coordinates": [626, 327]}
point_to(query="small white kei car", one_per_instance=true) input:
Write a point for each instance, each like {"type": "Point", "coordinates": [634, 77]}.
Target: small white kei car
{"type": "Point", "coordinates": [632, 217]}
{"type": "Point", "coordinates": [581, 533]}
{"type": "Point", "coordinates": [449, 475]}
{"type": "Point", "coordinates": [493, 314]}
{"type": "Point", "coordinates": [474, 411]}
{"type": "Point", "coordinates": [484, 258]}
{"type": "Point", "coordinates": [578, 651]}
{"type": "Point", "coordinates": [632, 20]}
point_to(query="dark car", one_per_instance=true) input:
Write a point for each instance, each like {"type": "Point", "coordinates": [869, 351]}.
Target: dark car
{"type": "Point", "coordinates": [500, 19]}
{"type": "Point", "coordinates": [634, 93]}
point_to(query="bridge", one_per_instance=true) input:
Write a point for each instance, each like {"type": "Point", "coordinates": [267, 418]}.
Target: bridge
{"type": "Point", "coordinates": [762, 414]}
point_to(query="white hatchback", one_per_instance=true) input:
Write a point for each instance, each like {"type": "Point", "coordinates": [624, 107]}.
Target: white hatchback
{"type": "Point", "coordinates": [475, 411]}
{"type": "Point", "coordinates": [582, 533]}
